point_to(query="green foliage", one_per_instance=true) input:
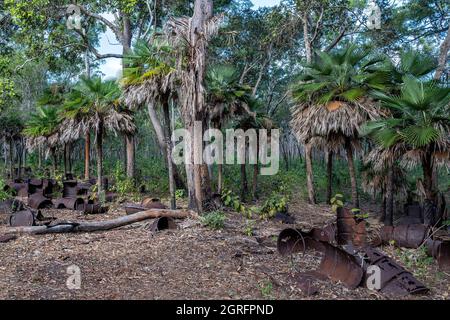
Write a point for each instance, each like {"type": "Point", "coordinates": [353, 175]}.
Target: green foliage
{"type": "Point", "coordinates": [343, 75]}
{"type": "Point", "coordinates": [337, 202]}
{"type": "Point", "coordinates": [123, 185]}
{"type": "Point", "coordinates": [43, 122]}
{"type": "Point", "coordinates": [180, 194]}
{"type": "Point", "coordinates": [231, 200]}
{"type": "Point", "coordinates": [266, 289]}
{"type": "Point", "coordinates": [420, 115]}
{"type": "Point", "coordinates": [214, 220]}
{"type": "Point", "coordinates": [416, 260]}
{"type": "Point", "coordinates": [3, 194]}
{"type": "Point", "coordinates": [248, 228]}
{"type": "Point", "coordinates": [147, 60]}
{"type": "Point", "coordinates": [275, 203]}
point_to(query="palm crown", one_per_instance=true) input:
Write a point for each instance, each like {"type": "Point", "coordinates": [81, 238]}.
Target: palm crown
{"type": "Point", "coordinates": [420, 115]}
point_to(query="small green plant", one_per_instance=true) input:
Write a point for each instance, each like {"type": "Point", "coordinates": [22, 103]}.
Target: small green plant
{"type": "Point", "coordinates": [3, 194]}
{"type": "Point", "coordinates": [231, 200]}
{"type": "Point", "coordinates": [276, 203]}
{"type": "Point", "coordinates": [416, 259]}
{"type": "Point", "coordinates": [214, 220]}
{"type": "Point", "coordinates": [337, 202]}
{"type": "Point", "coordinates": [123, 185]}
{"type": "Point", "coordinates": [359, 215]}
{"type": "Point", "coordinates": [266, 289]}
{"type": "Point", "coordinates": [180, 194]}
{"type": "Point", "coordinates": [248, 229]}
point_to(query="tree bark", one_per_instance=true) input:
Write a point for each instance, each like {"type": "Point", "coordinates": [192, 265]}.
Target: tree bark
{"type": "Point", "coordinates": [99, 149]}
{"type": "Point", "coordinates": [352, 173]}
{"type": "Point", "coordinates": [329, 175]}
{"type": "Point", "coordinates": [92, 226]}
{"type": "Point", "coordinates": [11, 160]}
{"type": "Point", "coordinates": [309, 173]}
{"type": "Point", "coordinates": [443, 53]}
{"type": "Point", "coordinates": [255, 182]}
{"type": "Point", "coordinates": [389, 216]}
{"type": "Point", "coordinates": [244, 183]}
{"type": "Point", "coordinates": [87, 155]}
{"type": "Point", "coordinates": [55, 160]}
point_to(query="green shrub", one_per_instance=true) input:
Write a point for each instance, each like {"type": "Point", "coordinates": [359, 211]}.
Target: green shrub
{"type": "Point", "coordinates": [214, 219]}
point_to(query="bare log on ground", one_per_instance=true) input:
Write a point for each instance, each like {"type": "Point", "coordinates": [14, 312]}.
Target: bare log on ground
{"type": "Point", "coordinates": [92, 226]}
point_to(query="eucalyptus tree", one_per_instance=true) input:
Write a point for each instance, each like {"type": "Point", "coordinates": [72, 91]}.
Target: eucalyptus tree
{"type": "Point", "coordinates": [190, 37]}
{"type": "Point", "coordinates": [149, 80]}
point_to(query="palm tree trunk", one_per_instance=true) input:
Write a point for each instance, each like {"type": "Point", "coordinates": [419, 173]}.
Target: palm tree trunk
{"type": "Point", "coordinates": [309, 173]}
{"type": "Point", "coordinates": [329, 175]}
{"type": "Point", "coordinates": [219, 178]}
{"type": "Point", "coordinates": [87, 155]}
{"type": "Point", "coordinates": [352, 173]}
{"type": "Point", "coordinates": [99, 149]}
{"type": "Point", "coordinates": [429, 206]}
{"type": "Point", "coordinates": [170, 164]}
{"type": "Point", "coordinates": [255, 182]}
{"type": "Point", "coordinates": [55, 160]}
{"type": "Point", "coordinates": [65, 159]}
{"type": "Point", "coordinates": [244, 183]}
{"type": "Point", "coordinates": [11, 160]}
{"type": "Point", "coordinates": [389, 217]}
{"type": "Point", "coordinates": [130, 153]}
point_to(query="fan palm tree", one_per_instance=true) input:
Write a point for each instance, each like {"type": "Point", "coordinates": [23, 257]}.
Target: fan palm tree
{"type": "Point", "coordinates": [11, 126]}
{"type": "Point", "coordinates": [148, 80]}
{"type": "Point", "coordinates": [94, 104]}
{"type": "Point", "coordinates": [332, 103]}
{"type": "Point", "coordinates": [42, 128]}
{"type": "Point", "coordinates": [418, 129]}
{"type": "Point", "coordinates": [226, 97]}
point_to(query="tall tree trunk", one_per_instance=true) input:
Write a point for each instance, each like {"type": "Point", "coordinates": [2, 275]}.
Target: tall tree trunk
{"type": "Point", "coordinates": [65, 159]}
{"type": "Point", "coordinates": [126, 42]}
{"type": "Point", "coordinates": [179, 184]}
{"type": "Point", "coordinates": [329, 175]}
{"type": "Point", "coordinates": [443, 53]}
{"type": "Point", "coordinates": [309, 173]}
{"type": "Point", "coordinates": [55, 160]}
{"type": "Point", "coordinates": [170, 164]}
{"type": "Point", "coordinates": [87, 154]}
{"type": "Point", "coordinates": [352, 173]}
{"type": "Point", "coordinates": [219, 178]}
{"type": "Point", "coordinates": [307, 41]}
{"type": "Point", "coordinates": [99, 150]}
{"type": "Point", "coordinates": [244, 183]}
{"type": "Point", "coordinates": [255, 182]}
{"type": "Point", "coordinates": [429, 206]}
{"type": "Point", "coordinates": [389, 216]}
{"type": "Point", "coordinates": [11, 160]}
{"type": "Point", "coordinates": [130, 153]}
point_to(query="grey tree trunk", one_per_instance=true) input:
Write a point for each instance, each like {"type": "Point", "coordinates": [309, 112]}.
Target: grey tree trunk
{"type": "Point", "coordinates": [329, 175]}
{"type": "Point", "coordinates": [309, 173]}
{"type": "Point", "coordinates": [99, 150]}
{"type": "Point", "coordinates": [389, 216]}
{"type": "Point", "coordinates": [443, 53]}
{"type": "Point", "coordinates": [352, 173]}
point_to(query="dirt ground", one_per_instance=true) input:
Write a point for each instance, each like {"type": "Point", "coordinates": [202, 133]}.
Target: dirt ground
{"type": "Point", "coordinates": [193, 262]}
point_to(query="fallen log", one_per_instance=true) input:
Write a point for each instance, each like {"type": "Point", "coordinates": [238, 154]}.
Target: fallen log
{"type": "Point", "coordinates": [91, 226]}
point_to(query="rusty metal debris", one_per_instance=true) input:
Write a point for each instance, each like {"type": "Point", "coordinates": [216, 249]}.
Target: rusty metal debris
{"type": "Point", "coordinates": [153, 203]}
{"type": "Point", "coordinates": [162, 224]}
{"type": "Point", "coordinates": [336, 264]}
{"type": "Point", "coordinates": [94, 208]}
{"type": "Point", "coordinates": [440, 250]}
{"type": "Point", "coordinates": [23, 218]}
{"type": "Point", "coordinates": [350, 230]}
{"type": "Point", "coordinates": [394, 278]}
{"type": "Point", "coordinates": [407, 236]}
{"type": "Point", "coordinates": [134, 208]}
{"type": "Point", "coordinates": [7, 237]}
{"type": "Point", "coordinates": [69, 203]}
{"type": "Point", "coordinates": [38, 201]}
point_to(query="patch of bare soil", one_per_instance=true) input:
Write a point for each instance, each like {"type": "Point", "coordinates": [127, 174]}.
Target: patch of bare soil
{"type": "Point", "coordinates": [192, 262]}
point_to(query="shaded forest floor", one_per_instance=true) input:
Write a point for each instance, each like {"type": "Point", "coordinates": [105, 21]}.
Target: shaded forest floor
{"type": "Point", "coordinates": [193, 262]}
